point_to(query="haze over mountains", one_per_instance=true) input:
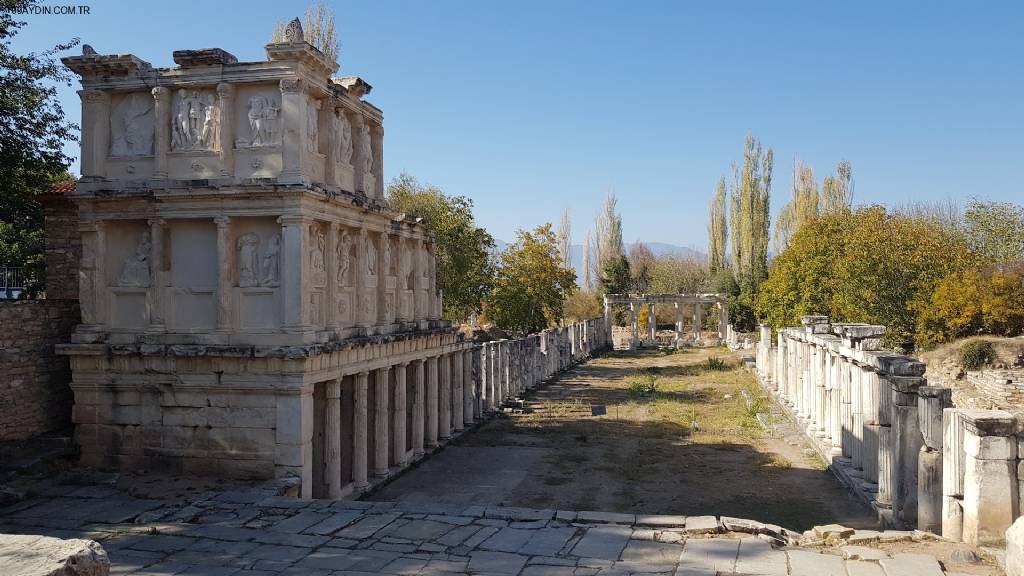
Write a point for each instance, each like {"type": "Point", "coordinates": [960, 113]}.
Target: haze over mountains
{"type": "Point", "coordinates": [658, 248]}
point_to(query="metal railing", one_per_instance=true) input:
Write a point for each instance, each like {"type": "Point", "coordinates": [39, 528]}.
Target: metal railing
{"type": "Point", "coordinates": [12, 282]}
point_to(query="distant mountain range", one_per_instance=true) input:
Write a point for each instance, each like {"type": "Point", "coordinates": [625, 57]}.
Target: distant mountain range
{"type": "Point", "coordinates": [658, 248]}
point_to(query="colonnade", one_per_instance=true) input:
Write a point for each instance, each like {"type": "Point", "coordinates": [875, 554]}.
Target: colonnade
{"type": "Point", "coordinates": [679, 301]}
{"type": "Point", "coordinates": [368, 425]}
{"type": "Point", "coordinates": [898, 443]}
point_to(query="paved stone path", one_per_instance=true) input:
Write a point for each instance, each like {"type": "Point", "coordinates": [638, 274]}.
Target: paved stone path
{"type": "Point", "coordinates": [256, 532]}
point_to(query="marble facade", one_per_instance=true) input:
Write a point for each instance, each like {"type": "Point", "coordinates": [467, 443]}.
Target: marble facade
{"type": "Point", "coordinates": [250, 305]}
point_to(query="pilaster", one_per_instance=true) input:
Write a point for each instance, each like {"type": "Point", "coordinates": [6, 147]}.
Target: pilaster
{"type": "Point", "coordinates": [162, 127]}
{"type": "Point", "coordinates": [226, 109]}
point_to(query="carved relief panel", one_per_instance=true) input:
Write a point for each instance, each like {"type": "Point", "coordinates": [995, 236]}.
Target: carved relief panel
{"type": "Point", "coordinates": [257, 114]}
{"type": "Point", "coordinates": [195, 121]}
{"type": "Point", "coordinates": [257, 273]}
{"type": "Point", "coordinates": [344, 277]}
{"type": "Point", "coordinates": [191, 296]}
{"type": "Point", "coordinates": [132, 125]}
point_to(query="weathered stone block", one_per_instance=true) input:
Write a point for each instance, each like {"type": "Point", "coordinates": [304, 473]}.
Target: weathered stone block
{"type": "Point", "coordinates": [990, 447]}
{"type": "Point", "coordinates": [44, 556]}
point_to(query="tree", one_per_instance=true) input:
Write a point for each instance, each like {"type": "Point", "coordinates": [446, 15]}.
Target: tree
{"type": "Point", "coordinates": [32, 135]}
{"type": "Point", "coordinates": [717, 229]}
{"type": "Point", "coordinates": [565, 239]}
{"type": "Point", "coordinates": [995, 230]}
{"type": "Point", "coordinates": [837, 191]}
{"type": "Point", "coordinates": [749, 216]}
{"type": "Point", "coordinates": [615, 277]}
{"type": "Point", "coordinates": [531, 283]}
{"type": "Point", "coordinates": [640, 261]}
{"type": "Point", "coordinates": [464, 269]}
{"type": "Point", "coordinates": [317, 27]}
{"type": "Point", "coordinates": [978, 300]}
{"type": "Point", "coordinates": [608, 224]}
{"type": "Point", "coordinates": [588, 286]}
{"type": "Point", "coordinates": [868, 265]}
{"type": "Point", "coordinates": [675, 275]}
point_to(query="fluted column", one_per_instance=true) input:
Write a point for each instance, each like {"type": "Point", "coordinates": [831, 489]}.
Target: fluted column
{"type": "Point", "coordinates": [419, 407]}
{"type": "Point", "coordinates": [161, 130]}
{"type": "Point", "coordinates": [377, 146]}
{"type": "Point", "coordinates": [359, 424]}
{"type": "Point", "coordinates": [384, 316]}
{"type": "Point", "coordinates": [458, 394]}
{"type": "Point", "coordinates": [157, 318]}
{"type": "Point", "coordinates": [380, 423]}
{"type": "Point", "coordinates": [362, 311]}
{"type": "Point", "coordinates": [432, 401]}
{"type": "Point", "coordinates": [226, 108]}
{"type": "Point", "coordinates": [444, 421]}
{"type": "Point", "coordinates": [399, 415]}
{"type": "Point", "coordinates": [332, 438]}
{"type": "Point", "coordinates": [224, 252]}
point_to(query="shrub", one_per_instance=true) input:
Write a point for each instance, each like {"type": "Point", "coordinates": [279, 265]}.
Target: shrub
{"type": "Point", "coordinates": [643, 385]}
{"type": "Point", "coordinates": [976, 353]}
{"type": "Point", "coordinates": [717, 364]}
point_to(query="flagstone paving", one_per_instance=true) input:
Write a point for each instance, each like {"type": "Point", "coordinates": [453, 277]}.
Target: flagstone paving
{"type": "Point", "coordinates": [256, 531]}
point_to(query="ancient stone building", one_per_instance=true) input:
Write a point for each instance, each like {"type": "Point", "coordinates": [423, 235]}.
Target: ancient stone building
{"type": "Point", "coordinates": [250, 306]}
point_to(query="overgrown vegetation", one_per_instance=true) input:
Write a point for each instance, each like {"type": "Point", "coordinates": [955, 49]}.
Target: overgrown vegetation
{"type": "Point", "coordinates": [976, 353]}
{"type": "Point", "coordinates": [644, 384]}
{"type": "Point", "coordinates": [716, 364]}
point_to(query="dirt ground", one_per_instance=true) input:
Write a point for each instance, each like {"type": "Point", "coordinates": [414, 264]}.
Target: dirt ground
{"type": "Point", "coordinates": [692, 447]}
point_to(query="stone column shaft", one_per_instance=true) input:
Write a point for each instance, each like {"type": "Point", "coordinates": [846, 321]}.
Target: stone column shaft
{"type": "Point", "coordinates": [332, 439]}
{"type": "Point", "coordinates": [226, 108]}
{"type": "Point", "coordinates": [400, 416]}
{"type": "Point", "coordinates": [444, 417]}
{"type": "Point", "coordinates": [419, 407]}
{"type": "Point", "coordinates": [432, 403]}
{"type": "Point", "coordinates": [458, 391]}
{"type": "Point", "coordinates": [380, 420]}
{"type": "Point", "coordinates": [224, 284]}
{"type": "Point", "coordinates": [157, 319]}
{"type": "Point", "coordinates": [161, 131]}
{"type": "Point", "coordinates": [359, 431]}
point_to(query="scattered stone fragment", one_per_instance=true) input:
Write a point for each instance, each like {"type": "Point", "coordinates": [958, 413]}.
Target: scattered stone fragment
{"type": "Point", "coordinates": [701, 525]}
{"type": "Point", "coordinates": [31, 555]}
{"type": "Point", "coordinates": [862, 553]}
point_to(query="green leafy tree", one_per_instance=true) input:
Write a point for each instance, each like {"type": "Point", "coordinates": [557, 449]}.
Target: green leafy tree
{"type": "Point", "coordinates": [615, 277]}
{"type": "Point", "coordinates": [837, 190]}
{"type": "Point", "coordinates": [32, 135]}
{"type": "Point", "coordinates": [531, 284]}
{"type": "Point", "coordinates": [995, 230]}
{"type": "Point", "coordinates": [464, 268]}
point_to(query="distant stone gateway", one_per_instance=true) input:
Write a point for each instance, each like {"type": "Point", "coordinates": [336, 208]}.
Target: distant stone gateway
{"type": "Point", "coordinates": [251, 307]}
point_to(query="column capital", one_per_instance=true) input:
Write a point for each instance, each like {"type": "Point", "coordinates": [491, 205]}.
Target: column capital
{"type": "Point", "coordinates": [222, 221]}
{"type": "Point", "coordinates": [291, 85]}
{"type": "Point", "coordinates": [161, 93]}
{"type": "Point", "coordinates": [225, 90]}
{"type": "Point", "coordinates": [93, 96]}
{"type": "Point", "coordinates": [157, 222]}
{"type": "Point", "coordinates": [292, 219]}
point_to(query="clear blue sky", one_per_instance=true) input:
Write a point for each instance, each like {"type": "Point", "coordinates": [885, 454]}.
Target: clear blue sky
{"type": "Point", "coordinates": [531, 106]}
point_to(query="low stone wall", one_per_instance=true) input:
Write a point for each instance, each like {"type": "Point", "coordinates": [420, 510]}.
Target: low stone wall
{"type": "Point", "coordinates": [898, 443]}
{"type": "Point", "coordinates": [35, 396]}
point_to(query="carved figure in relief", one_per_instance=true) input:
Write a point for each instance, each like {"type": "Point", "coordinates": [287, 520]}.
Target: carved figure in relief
{"type": "Point", "coordinates": [370, 253]}
{"type": "Point", "coordinates": [135, 270]}
{"type": "Point", "coordinates": [195, 121]}
{"type": "Point", "coordinates": [316, 256]}
{"type": "Point", "coordinates": [248, 260]}
{"type": "Point", "coordinates": [312, 129]}
{"type": "Point", "coordinates": [270, 267]}
{"type": "Point", "coordinates": [131, 126]}
{"type": "Point", "coordinates": [342, 140]}
{"type": "Point", "coordinates": [263, 113]}
{"type": "Point", "coordinates": [344, 258]}
{"type": "Point", "coordinates": [366, 150]}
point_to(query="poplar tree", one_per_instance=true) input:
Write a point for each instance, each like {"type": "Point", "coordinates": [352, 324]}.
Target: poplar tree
{"type": "Point", "coordinates": [717, 229]}
{"type": "Point", "coordinates": [564, 236]}
{"type": "Point", "coordinates": [587, 285]}
{"type": "Point", "coordinates": [751, 220]}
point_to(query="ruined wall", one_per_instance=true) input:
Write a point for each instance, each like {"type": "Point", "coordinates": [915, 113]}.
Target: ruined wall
{"type": "Point", "coordinates": [35, 396]}
{"type": "Point", "coordinates": [63, 244]}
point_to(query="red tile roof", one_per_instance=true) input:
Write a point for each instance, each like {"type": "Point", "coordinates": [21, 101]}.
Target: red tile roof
{"type": "Point", "coordinates": [62, 187]}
